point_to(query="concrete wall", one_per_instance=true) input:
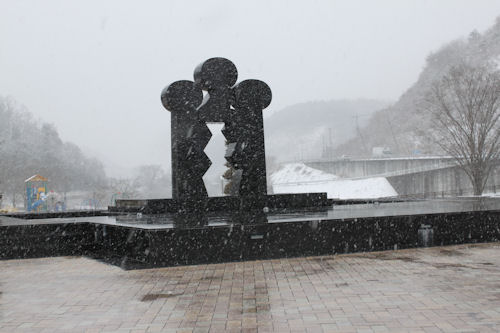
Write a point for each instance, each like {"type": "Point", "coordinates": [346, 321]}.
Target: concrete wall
{"type": "Point", "coordinates": [418, 177]}
{"type": "Point", "coordinates": [371, 167]}
{"type": "Point", "coordinates": [440, 183]}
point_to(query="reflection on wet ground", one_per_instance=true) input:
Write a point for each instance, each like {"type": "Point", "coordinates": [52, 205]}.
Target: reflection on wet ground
{"type": "Point", "coordinates": [277, 216]}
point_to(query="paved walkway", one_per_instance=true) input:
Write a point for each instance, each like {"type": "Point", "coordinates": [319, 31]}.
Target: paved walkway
{"type": "Point", "coordinates": [444, 289]}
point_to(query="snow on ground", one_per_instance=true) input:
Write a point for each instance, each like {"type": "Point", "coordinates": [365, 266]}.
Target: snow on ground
{"type": "Point", "coordinates": [299, 178]}
{"type": "Point", "coordinates": [490, 194]}
{"type": "Point", "coordinates": [298, 173]}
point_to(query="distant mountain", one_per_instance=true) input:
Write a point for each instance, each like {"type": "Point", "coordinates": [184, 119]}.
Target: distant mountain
{"type": "Point", "coordinates": [307, 129]}
{"type": "Point", "coordinates": [402, 126]}
{"type": "Point", "coordinates": [299, 131]}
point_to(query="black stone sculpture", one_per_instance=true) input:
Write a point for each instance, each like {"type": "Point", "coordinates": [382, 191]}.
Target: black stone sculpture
{"type": "Point", "coordinates": [189, 136]}
{"type": "Point", "coordinates": [239, 107]}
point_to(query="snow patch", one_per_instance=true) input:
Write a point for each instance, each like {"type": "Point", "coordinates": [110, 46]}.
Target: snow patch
{"type": "Point", "coordinates": [299, 173]}
{"type": "Point", "coordinates": [299, 178]}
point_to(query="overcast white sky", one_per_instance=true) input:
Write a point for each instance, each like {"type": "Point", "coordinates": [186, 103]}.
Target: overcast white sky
{"type": "Point", "coordinates": [96, 68]}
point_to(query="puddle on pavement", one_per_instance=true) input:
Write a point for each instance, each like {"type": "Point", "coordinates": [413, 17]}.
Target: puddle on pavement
{"type": "Point", "coordinates": [153, 297]}
{"type": "Point", "coordinates": [449, 265]}
{"type": "Point", "coordinates": [451, 252]}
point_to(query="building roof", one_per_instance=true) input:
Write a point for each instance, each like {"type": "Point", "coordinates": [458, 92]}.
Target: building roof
{"type": "Point", "coordinates": [36, 178]}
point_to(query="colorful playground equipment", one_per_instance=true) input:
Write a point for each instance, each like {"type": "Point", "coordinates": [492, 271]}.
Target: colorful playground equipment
{"type": "Point", "coordinates": [36, 194]}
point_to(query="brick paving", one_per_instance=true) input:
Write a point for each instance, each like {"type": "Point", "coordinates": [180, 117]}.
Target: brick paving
{"type": "Point", "coordinates": [442, 289]}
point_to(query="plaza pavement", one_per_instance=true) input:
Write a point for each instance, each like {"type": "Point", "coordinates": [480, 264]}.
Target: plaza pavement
{"type": "Point", "coordinates": [441, 289]}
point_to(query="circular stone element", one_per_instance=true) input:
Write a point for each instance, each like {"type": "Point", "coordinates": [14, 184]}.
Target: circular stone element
{"type": "Point", "coordinates": [181, 95]}
{"type": "Point", "coordinates": [215, 72]}
{"type": "Point", "coordinates": [252, 93]}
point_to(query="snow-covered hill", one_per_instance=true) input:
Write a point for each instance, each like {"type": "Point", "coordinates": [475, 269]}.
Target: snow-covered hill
{"type": "Point", "coordinates": [402, 126]}
{"type": "Point", "coordinates": [302, 131]}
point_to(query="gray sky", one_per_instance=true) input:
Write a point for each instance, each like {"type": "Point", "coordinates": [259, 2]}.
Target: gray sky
{"type": "Point", "coordinates": [96, 68]}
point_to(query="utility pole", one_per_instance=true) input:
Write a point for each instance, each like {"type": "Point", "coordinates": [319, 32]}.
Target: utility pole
{"type": "Point", "coordinates": [330, 143]}
{"type": "Point", "coordinates": [394, 136]}
{"type": "Point", "coordinates": [359, 132]}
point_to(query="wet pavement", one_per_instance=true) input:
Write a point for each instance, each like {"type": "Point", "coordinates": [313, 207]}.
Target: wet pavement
{"type": "Point", "coordinates": [441, 289]}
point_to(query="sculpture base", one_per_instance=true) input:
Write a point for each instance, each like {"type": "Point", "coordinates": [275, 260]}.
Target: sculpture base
{"type": "Point", "coordinates": [144, 241]}
{"type": "Point", "coordinates": [227, 204]}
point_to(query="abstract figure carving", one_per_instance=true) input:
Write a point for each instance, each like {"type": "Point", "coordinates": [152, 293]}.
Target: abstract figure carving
{"type": "Point", "coordinates": [189, 137]}
{"type": "Point", "coordinates": [239, 107]}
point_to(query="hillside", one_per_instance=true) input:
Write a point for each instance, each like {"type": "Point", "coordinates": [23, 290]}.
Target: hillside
{"type": "Point", "coordinates": [28, 147]}
{"type": "Point", "coordinates": [304, 130]}
{"type": "Point", "coordinates": [402, 126]}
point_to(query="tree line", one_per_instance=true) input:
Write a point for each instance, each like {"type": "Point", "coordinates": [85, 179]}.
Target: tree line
{"type": "Point", "coordinates": [28, 147]}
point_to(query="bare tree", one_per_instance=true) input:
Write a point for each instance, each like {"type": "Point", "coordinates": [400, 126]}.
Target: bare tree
{"type": "Point", "coordinates": [152, 181]}
{"type": "Point", "coordinates": [465, 109]}
{"type": "Point", "coordinates": [123, 188]}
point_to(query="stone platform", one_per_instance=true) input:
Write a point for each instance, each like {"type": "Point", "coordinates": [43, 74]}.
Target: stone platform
{"type": "Point", "coordinates": [223, 204]}
{"type": "Point", "coordinates": [144, 241]}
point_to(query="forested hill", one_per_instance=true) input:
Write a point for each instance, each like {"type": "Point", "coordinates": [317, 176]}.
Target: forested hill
{"type": "Point", "coordinates": [303, 130]}
{"type": "Point", "coordinates": [402, 127]}
{"type": "Point", "coordinates": [28, 147]}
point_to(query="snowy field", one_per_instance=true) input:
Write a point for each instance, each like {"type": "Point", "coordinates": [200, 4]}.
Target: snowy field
{"type": "Point", "coordinates": [299, 178]}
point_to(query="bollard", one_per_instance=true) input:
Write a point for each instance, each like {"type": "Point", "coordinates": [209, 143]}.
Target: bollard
{"type": "Point", "coordinates": [425, 235]}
